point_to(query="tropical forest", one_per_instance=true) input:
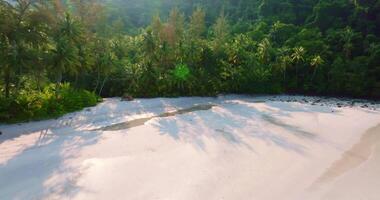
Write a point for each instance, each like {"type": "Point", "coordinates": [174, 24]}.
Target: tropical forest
{"type": "Point", "coordinates": [189, 99]}
{"type": "Point", "coordinates": [58, 56]}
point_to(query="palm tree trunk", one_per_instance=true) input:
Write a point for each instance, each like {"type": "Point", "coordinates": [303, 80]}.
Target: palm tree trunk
{"type": "Point", "coordinates": [315, 71]}
{"type": "Point", "coordinates": [7, 81]}
{"type": "Point", "coordinates": [38, 79]}
{"type": "Point", "coordinates": [59, 76]}
{"type": "Point", "coordinates": [297, 76]}
{"type": "Point", "coordinates": [101, 88]}
{"type": "Point", "coordinates": [284, 78]}
{"type": "Point", "coordinates": [76, 80]}
{"type": "Point", "coordinates": [97, 82]}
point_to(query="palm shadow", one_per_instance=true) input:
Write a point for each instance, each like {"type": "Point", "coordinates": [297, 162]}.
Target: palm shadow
{"type": "Point", "coordinates": [43, 168]}
{"type": "Point", "coordinates": [227, 124]}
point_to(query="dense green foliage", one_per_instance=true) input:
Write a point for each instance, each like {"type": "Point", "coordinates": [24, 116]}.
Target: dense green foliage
{"type": "Point", "coordinates": [180, 47]}
{"type": "Point", "coordinates": [51, 101]}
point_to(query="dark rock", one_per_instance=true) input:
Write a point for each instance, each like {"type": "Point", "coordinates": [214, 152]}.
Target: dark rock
{"type": "Point", "coordinates": [127, 97]}
{"type": "Point", "coordinates": [1, 133]}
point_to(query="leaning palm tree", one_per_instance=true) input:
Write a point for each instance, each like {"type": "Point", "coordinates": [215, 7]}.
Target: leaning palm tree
{"type": "Point", "coordinates": [297, 57]}
{"type": "Point", "coordinates": [316, 61]}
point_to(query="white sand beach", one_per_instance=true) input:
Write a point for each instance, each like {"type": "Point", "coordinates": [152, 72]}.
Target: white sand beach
{"type": "Point", "coordinates": [230, 147]}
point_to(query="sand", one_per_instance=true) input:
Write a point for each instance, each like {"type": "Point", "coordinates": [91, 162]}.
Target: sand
{"type": "Point", "coordinates": [230, 147]}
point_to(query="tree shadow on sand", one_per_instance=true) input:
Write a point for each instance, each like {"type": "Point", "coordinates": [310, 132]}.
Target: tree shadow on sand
{"type": "Point", "coordinates": [234, 123]}
{"type": "Point", "coordinates": [44, 167]}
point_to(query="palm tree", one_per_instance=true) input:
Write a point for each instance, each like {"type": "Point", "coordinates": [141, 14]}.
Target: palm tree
{"type": "Point", "coordinates": [297, 57]}
{"type": "Point", "coordinates": [283, 60]}
{"type": "Point", "coordinates": [284, 63]}
{"type": "Point", "coordinates": [66, 52]}
{"type": "Point", "coordinates": [316, 61]}
{"type": "Point", "coordinates": [16, 38]}
{"type": "Point", "coordinates": [221, 30]}
{"type": "Point", "coordinates": [104, 63]}
{"type": "Point", "coordinates": [197, 25]}
{"type": "Point", "coordinates": [347, 36]}
{"type": "Point", "coordinates": [264, 50]}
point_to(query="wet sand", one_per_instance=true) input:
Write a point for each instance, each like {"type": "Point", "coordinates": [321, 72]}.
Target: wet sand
{"type": "Point", "coordinates": [356, 174]}
{"type": "Point", "coordinates": [142, 121]}
{"type": "Point", "coordinates": [368, 145]}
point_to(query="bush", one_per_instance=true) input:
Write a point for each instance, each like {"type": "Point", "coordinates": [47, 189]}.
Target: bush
{"type": "Point", "coordinates": [52, 101]}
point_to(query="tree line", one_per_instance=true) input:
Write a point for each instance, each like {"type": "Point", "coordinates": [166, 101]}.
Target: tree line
{"type": "Point", "coordinates": [198, 47]}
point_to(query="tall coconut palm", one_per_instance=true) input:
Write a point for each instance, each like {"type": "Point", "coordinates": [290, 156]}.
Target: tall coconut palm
{"type": "Point", "coordinates": [104, 63]}
{"type": "Point", "coordinates": [264, 50]}
{"type": "Point", "coordinates": [297, 58]}
{"type": "Point", "coordinates": [316, 61]}
{"type": "Point", "coordinates": [285, 61]}
{"type": "Point", "coordinates": [347, 37]}
{"type": "Point", "coordinates": [66, 53]}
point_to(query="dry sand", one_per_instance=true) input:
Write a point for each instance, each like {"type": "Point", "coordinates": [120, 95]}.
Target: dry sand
{"type": "Point", "coordinates": [230, 147]}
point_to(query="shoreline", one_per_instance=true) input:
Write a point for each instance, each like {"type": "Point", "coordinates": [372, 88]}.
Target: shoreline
{"type": "Point", "coordinates": [307, 100]}
{"type": "Point", "coordinates": [372, 104]}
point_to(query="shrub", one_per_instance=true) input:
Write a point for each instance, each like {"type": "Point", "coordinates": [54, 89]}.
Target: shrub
{"type": "Point", "coordinates": [52, 101]}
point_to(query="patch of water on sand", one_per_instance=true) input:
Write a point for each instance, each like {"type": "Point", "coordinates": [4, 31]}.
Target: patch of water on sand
{"type": "Point", "coordinates": [142, 121]}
